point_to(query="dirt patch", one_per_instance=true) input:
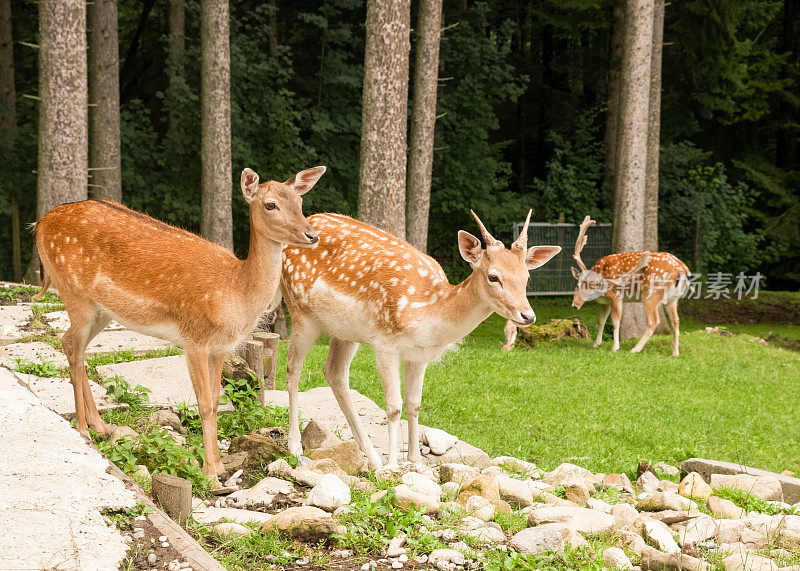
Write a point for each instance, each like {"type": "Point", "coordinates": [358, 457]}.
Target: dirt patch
{"type": "Point", "coordinates": [769, 307]}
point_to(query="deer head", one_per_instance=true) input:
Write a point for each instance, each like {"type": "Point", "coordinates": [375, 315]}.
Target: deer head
{"type": "Point", "coordinates": [276, 209]}
{"type": "Point", "coordinates": [502, 274]}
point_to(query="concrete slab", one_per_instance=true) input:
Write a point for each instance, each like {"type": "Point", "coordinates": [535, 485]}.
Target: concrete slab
{"type": "Point", "coordinates": [320, 404]}
{"type": "Point", "coordinates": [705, 467]}
{"type": "Point", "coordinates": [32, 352]}
{"type": "Point", "coordinates": [60, 320]}
{"type": "Point", "coordinates": [54, 490]}
{"type": "Point", "coordinates": [56, 394]}
{"type": "Point", "coordinates": [12, 317]}
{"type": "Point", "coordinates": [166, 377]}
{"type": "Point", "coordinates": [124, 340]}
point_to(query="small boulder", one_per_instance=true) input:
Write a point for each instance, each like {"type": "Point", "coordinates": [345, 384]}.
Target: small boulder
{"type": "Point", "coordinates": [619, 481]}
{"type": "Point", "coordinates": [742, 560]}
{"type": "Point", "coordinates": [329, 494]}
{"type": "Point", "coordinates": [438, 440]}
{"type": "Point", "coordinates": [697, 530]}
{"type": "Point", "coordinates": [347, 455]}
{"type": "Point", "coordinates": [459, 473]}
{"type": "Point", "coordinates": [623, 514]}
{"type": "Point", "coordinates": [480, 507]}
{"type": "Point", "coordinates": [259, 449]}
{"type": "Point", "coordinates": [480, 486]}
{"type": "Point", "coordinates": [647, 482]}
{"type": "Point", "coordinates": [583, 520]}
{"type": "Point", "coordinates": [406, 498]}
{"type": "Point", "coordinates": [659, 536]}
{"type": "Point", "coordinates": [537, 540]}
{"type": "Point", "coordinates": [516, 465]}
{"type": "Point", "coordinates": [667, 469]}
{"type": "Point", "coordinates": [447, 557]}
{"type": "Point", "coordinates": [305, 523]}
{"type": "Point", "coordinates": [120, 431]}
{"type": "Point", "coordinates": [567, 473]}
{"type": "Point", "coordinates": [615, 558]}
{"type": "Point", "coordinates": [316, 435]}
{"type": "Point", "coordinates": [577, 492]}
{"type": "Point", "coordinates": [725, 508]}
{"type": "Point", "coordinates": [515, 492]}
{"type": "Point", "coordinates": [229, 529]}
{"type": "Point", "coordinates": [422, 484]}
{"type": "Point", "coordinates": [263, 493]}
{"type": "Point", "coordinates": [694, 486]}
{"type": "Point", "coordinates": [765, 487]}
{"type": "Point", "coordinates": [166, 417]}
{"type": "Point", "coordinates": [660, 501]}
{"type": "Point", "coordinates": [450, 491]}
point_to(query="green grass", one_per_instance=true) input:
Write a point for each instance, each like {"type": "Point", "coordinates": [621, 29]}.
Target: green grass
{"type": "Point", "coordinates": [727, 398]}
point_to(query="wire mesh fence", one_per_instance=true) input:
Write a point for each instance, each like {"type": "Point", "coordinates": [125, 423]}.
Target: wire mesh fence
{"type": "Point", "coordinates": [555, 277]}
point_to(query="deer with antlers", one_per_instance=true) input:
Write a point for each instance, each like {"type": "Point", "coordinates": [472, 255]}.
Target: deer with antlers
{"type": "Point", "coordinates": [109, 262]}
{"type": "Point", "coordinates": [362, 285]}
{"type": "Point", "coordinates": [655, 278]}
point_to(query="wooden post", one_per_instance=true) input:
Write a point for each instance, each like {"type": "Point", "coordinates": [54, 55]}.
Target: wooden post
{"type": "Point", "coordinates": [174, 494]}
{"type": "Point", "coordinates": [254, 355]}
{"type": "Point", "coordinates": [270, 368]}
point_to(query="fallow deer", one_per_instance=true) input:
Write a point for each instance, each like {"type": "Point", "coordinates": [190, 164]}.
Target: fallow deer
{"type": "Point", "coordinates": [655, 278]}
{"type": "Point", "coordinates": [110, 262]}
{"type": "Point", "coordinates": [362, 285]}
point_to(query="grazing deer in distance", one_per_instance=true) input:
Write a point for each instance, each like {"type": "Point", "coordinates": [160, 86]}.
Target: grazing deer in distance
{"type": "Point", "coordinates": [109, 262]}
{"type": "Point", "coordinates": [362, 285]}
{"type": "Point", "coordinates": [655, 278]}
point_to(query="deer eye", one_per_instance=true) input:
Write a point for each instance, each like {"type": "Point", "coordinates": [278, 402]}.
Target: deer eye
{"type": "Point", "coordinates": [493, 278]}
{"type": "Point", "coordinates": [270, 205]}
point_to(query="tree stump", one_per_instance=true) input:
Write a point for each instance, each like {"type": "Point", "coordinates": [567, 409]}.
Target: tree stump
{"type": "Point", "coordinates": [174, 494]}
{"type": "Point", "coordinates": [551, 331]}
{"type": "Point", "coordinates": [270, 343]}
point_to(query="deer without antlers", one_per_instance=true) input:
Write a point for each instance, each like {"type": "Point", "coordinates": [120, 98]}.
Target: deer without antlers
{"type": "Point", "coordinates": [109, 262]}
{"type": "Point", "coordinates": [656, 278]}
{"type": "Point", "coordinates": [360, 284]}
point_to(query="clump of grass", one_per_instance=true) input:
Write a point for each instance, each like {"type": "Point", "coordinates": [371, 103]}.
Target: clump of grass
{"type": "Point", "coordinates": [43, 368]}
{"type": "Point", "coordinates": [240, 553]}
{"type": "Point", "coordinates": [125, 356]}
{"type": "Point", "coordinates": [39, 309]}
{"type": "Point", "coordinates": [748, 502]}
{"type": "Point", "coordinates": [511, 522]}
{"type": "Point", "coordinates": [24, 293]}
{"type": "Point", "coordinates": [583, 558]}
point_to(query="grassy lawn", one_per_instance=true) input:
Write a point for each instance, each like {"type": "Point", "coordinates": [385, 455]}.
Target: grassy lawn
{"type": "Point", "coordinates": [727, 398]}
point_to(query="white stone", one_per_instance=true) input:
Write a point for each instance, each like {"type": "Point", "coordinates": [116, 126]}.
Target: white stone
{"type": "Point", "coordinates": [697, 530]}
{"type": "Point", "coordinates": [668, 469]}
{"type": "Point", "coordinates": [583, 520]}
{"type": "Point", "coordinates": [659, 536]}
{"type": "Point", "coordinates": [515, 492]}
{"type": "Point", "coordinates": [480, 507]}
{"type": "Point", "coordinates": [438, 556]}
{"type": "Point", "coordinates": [422, 484]}
{"type": "Point", "coordinates": [623, 514]}
{"type": "Point", "coordinates": [211, 515]}
{"type": "Point", "coordinates": [537, 540]}
{"type": "Point", "coordinates": [330, 493]}
{"type": "Point", "coordinates": [438, 440]}
{"type": "Point", "coordinates": [615, 558]}
{"type": "Point", "coordinates": [567, 473]}
{"type": "Point", "coordinates": [228, 529]}
{"type": "Point", "coordinates": [599, 505]}
{"type": "Point", "coordinates": [647, 482]}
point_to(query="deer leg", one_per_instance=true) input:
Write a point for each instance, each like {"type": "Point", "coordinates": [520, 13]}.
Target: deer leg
{"type": "Point", "coordinates": [302, 339]}
{"type": "Point", "coordinates": [197, 359]}
{"type": "Point", "coordinates": [337, 372]}
{"type": "Point", "coordinates": [389, 370]}
{"type": "Point", "coordinates": [672, 309]}
{"type": "Point", "coordinates": [651, 308]}
{"type": "Point", "coordinates": [616, 313]}
{"type": "Point", "coordinates": [215, 363]}
{"type": "Point", "coordinates": [84, 326]}
{"type": "Point", "coordinates": [605, 310]}
{"type": "Point", "coordinates": [414, 373]}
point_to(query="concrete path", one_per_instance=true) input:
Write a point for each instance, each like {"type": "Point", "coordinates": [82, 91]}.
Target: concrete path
{"type": "Point", "coordinates": [54, 488]}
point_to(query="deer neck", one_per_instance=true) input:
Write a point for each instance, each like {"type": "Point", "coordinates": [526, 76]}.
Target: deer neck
{"type": "Point", "coordinates": [463, 308]}
{"type": "Point", "coordinates": [261, 271]}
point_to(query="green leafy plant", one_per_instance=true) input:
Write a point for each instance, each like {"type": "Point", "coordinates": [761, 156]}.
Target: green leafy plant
{"type": "Point", "coordinates": [159, 453]}
{"type": "Point", "coordinates": [582, 558]}
{"type": "Point", "coordinates": [121, 391]}
{"type": "Point", "coordinates": [43, 368]}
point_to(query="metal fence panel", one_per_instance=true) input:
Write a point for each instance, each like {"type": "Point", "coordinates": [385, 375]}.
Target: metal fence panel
{"type": "Point", "coordinates": [555, 277]}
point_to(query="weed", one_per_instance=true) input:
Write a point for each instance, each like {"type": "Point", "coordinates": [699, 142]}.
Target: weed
{"type": "Point", "coordinates": [253, 551]}
{"type": "Point", "coordinates": [43, 368]}
{"type": "Point", "coordinates": [14, 294]}
{"type": "Point", "coordinates": [749, 502]}
{"type": "Point", "coordinates": [40, 309]}
{"type": "Point", "coordinates": [94, 361]}
{"type": "Point", "coordinates": [125, 515]}
{"type": "Point", "coordinates": [581, 558]}
{"type": "Point", "coordinates": [159, 453]}
{"type": "Point", "coordinates": [511, 522]}
{"type": "Point", "coordinates": [121, 391]}
{"type": "Point", "coordinates": [609, 494]}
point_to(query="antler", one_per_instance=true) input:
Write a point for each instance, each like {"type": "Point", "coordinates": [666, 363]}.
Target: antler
{"type": "Point", "coordinates": [491, 241]}
{"type": "Point", "coordinates": [521, 243]}
{"type": "Point", "coordinates": [581, 241]}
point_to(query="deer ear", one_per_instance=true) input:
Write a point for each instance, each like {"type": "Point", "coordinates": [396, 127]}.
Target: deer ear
{"type": "Point", "coordinates": [576, 273]}
{"type": "Point", "coordinates": [305, 180]}
{"type": "Point", "coordinates": [470, 248]}
{"type": "Point", "coordinates": [249, 185]}
{"type": "Point", "coordinates": [538, 256]}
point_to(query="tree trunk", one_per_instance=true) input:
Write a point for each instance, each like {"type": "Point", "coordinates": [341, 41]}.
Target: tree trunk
{"type": "Point", "coordinates": [217, 219]}
{"type": "Point", "coordinates": [8, 127]}
{"type": "Point", "coordinates": [177, 43]}
{"type": "Point", "coordinates": [63, 120]}
{"type": "Point", "coordinates": [423, 119]}
{"type": "Point", "coordinates": [631, 165]}
{"type": "Point", "coordinates": [614, 87]}
{"type": "Point", "coordinates": [382, 172]}
{"type": "Point", "coordinates": [104, 137]}
{"type": "Point", "coordinates": [654, 132]}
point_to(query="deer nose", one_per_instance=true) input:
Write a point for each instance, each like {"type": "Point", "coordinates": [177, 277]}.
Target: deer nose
{"type": "Point", "coordinates": [313, 237]}
{"type": "Point", "coordinates": [527, 317]}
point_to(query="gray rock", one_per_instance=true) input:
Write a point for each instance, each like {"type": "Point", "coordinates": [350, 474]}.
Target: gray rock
{"type": "Point", "coordinates": [581, 519]}
{"type": "Point", "coordinates": [305, 523]}
{"type": "Point", "coordinates": [668, 469]}
{"type": "Point", "coordinates": [459, 473]}
{"type": "Point", "coordinates": [697, 530]}
{"type": "Point", "coordinates": [623, 514]}
{"type": "Point", "coordinates": [438, 556]}
{"type": "Point", "coordinates": [647, 482]}
{"type": "Point", "coordinates": [316, 435]}
{"type": "Point", "coordinates": [166, 417]}
{"type": "Point", "coordinates": [789, 484]}
{"type": "Point", "coordinates": [615, 558]}
{"type": "Point", "coordinates": [665, 501]}
{"type": "Point", "coordinates": [438, 440]}
{"type": "Point", "coordinates": [659, 536]}
{"type": "Point", "coordinates": [329, 494]}
{"type": "Point", "coordinates": [537, 540]}
{"type": "Point", "coordinates": [725, 508]}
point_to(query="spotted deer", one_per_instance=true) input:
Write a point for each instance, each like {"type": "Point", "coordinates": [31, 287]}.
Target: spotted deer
{"type": "Point", "coordinates": [361, 285]}
{"type": "Point", "coordinates": [655, 278]}
{"type": "Point", "coordinates": [110, 262]}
